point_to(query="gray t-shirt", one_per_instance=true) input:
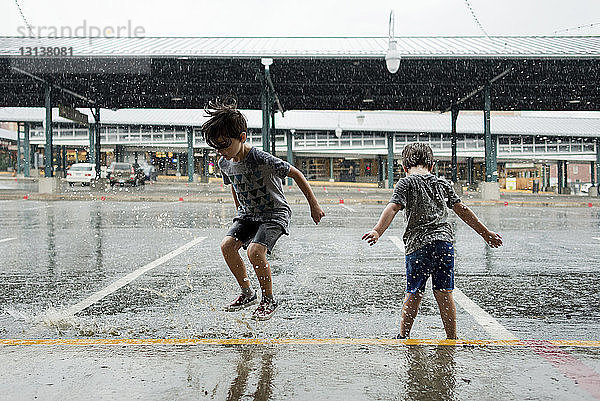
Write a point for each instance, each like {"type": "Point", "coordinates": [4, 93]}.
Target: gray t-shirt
{"type": "Point", "coordinates": [424, 198]}
{"type": "Point", "coordinates": [257, 182]}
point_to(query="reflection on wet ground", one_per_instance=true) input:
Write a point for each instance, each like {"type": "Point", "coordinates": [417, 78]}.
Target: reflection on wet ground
{"type": "Point", "coordinates": [282, 372]}
{"type": "Point", "coordinates": [541, 285]}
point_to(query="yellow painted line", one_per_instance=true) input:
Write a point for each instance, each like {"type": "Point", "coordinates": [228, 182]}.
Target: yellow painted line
{"type": "Point", "coordinates": [287, 341]}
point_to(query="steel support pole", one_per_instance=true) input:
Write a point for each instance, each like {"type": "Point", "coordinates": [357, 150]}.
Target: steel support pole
{"type": "Point", "coordinates": [48, 148]}
{"type": "Point", "coordinates": [469, 170]}
{"type": "Point", "coordinates": [19, 155]}
{"type": "Point", "coordinates": [92, 139]}
{"type": "Point", "coordinates": [27, 150]}
{"type": "Point", "coordinates": [331, 169]}
{"type": "Point", "coordinates": [592, 173]}
{"type": "Point", "coordinates": [390, 159]}
{"type": "Point", "coordinates": [289, 138]}
{"type": "Point", "coordinates": [273, 132]}
{"type": "Point", "coordinates": [97, 142]}
{"type": "Point", "coordinates": [559, 173]}
{"type": "Point", "coordinates": [566, 174]}
{"type": "Point", "coordinates": [454, 115]}
{"type": "Point", "coordinates": [63, 160]}
{"type": "Point", "coordinates": [190, 153]}
{"type": "Point", "coordinates": [205, 156]}
{"type": "Point", "coordinates": [265, 102]}
{"type": "Point", "coordinates": [491, 167]}
{"type": "Point", "coordinates": [598, 163]}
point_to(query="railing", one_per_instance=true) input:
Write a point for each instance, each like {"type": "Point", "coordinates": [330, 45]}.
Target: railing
{"type": "Point", "coordinates": [354, 142]}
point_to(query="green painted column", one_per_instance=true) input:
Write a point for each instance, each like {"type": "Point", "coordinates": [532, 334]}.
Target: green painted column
{"type": "Point", "coordinates": [63, 161]}
{"type": "Point", "coordinates": [26, 151]}
{"type": "Point", "coordinates": [97, 142]}
{"type": "Point", "coordinates": [331, 169]}
{"type": "Point", "coordinates": [598, 164]}
{"type": "Point", "coordinates": [390, 159]}
{"type": "Point", "coordinates": [454, 112]}
{"type": "Point", "coordinates": [592, 173]}
{"type": "Point", "coordinates": [491, 166]}
{"type": "Point", "coordinates": [559, 173]}
{"type": "Point", "coordinates": [48, 148]}
{"type": "Point", "coordinates": [273, 133]}
{"type": "Point", "coordinates": [92, 138]}
{"type": "Point", "coordinates": [266, 111]}
{"type": "Point", "coordinates": [190, 153]}
{"type": "Point", "coordinates": [205, 156]}
{"type": "Point", "coordinates": [19, 155]}
{"type": "Point", "coordinates": [289, 138]}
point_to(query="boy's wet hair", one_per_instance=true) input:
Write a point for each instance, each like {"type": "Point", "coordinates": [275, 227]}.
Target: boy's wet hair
{"type": "Point", "coordinates": [225, 123]}
{"type": "Point", "coordinates": [417, 154]}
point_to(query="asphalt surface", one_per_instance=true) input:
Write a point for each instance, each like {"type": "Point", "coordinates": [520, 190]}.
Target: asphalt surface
{"type": "Point", "coordinates": [542, 285]}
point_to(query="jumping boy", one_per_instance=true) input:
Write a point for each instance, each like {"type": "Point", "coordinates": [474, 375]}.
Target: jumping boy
{"type": "Point", "coordinates": [428, 237]}
{"type": "Point", "coordinates": [263, 213]}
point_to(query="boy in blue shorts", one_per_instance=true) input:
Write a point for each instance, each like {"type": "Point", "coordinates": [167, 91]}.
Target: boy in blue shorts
{"type": "Point", "coordinates": [428, 237]}
{"type": "Point", "coordinates": [263, 213]}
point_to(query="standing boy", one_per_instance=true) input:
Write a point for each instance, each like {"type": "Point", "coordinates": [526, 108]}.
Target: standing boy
{"type": "Point", "coordinates": [263, 213]}
{"type": "Point", "coordinates": [428, 237]}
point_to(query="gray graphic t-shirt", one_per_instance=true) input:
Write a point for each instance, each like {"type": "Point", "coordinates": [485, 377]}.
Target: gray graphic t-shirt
{"type": "Point", "coordinates": [257, 182]}
{"type": "Point", "coordinates": [424, 198]}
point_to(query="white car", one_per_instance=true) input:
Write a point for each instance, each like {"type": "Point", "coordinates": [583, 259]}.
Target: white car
{"type": "Point", "coordinates": [81, 173]}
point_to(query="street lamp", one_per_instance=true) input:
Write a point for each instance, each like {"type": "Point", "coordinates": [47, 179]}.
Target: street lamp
{"type": "Point", "coordinates": [338, 129]}
{"type": "Point", "coordinates": [392, 57]}
{"type": "Point", "coordinates": [266, 62]}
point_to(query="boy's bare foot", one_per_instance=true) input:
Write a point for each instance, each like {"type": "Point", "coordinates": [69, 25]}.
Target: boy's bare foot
{"type": "Point", "coordinates": [241, 302]}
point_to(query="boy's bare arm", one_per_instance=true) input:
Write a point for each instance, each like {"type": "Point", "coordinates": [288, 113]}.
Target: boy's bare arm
{"type": "Point", "coordinates": [384, 222]}
{"type": "Point", "coordinates": [315, 210]}
{"type": "Point", "coordinates": [235, 199]}
{"type": "Point", "coordinates": [493, 239]}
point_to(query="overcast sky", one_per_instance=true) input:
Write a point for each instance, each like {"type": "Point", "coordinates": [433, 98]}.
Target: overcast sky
{"type": "Point", "coordinates": [309, 17]}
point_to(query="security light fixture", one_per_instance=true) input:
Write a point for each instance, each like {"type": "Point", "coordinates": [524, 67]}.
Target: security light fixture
{"type": "Point", "coordinates": [392, 58]}
{"type": "Point", "coordinates": [338, 129]}
{"type": "Point", "coordinates": [338, 132]}
{"type": "Point", "coordinates": [266, 62]}
{"type": "Point", "coordinates": [360, 118]}
{"type": "Point", "coordinates": [176, 99]}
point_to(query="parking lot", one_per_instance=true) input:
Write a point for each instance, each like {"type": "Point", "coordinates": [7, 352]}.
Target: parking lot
{"type": "Point", "coordinates": [98, 271]}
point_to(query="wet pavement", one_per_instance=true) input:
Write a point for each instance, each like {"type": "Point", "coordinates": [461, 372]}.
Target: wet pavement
{"type": "Point", "coordinates": [541, 285]}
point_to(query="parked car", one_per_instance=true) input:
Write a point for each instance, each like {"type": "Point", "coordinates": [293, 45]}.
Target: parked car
{"type": "Point", "coordinates": [81, 173]}
{"type": "Point", "coordinates": [125, 173]}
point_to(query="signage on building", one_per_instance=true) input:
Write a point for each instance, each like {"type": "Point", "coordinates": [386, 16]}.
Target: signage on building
{"type": "Point", "coordinates": [72, 114]}
{"type": "Point", "coordinates": [520, 165]}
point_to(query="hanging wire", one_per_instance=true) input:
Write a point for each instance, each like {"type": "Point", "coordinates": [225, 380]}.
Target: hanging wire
{"type": "Point", "coordinates": [575, 28]}
{"type": "Point", "coordinates": [23, 16]}
{"type": "Point", "coordinates": [470, 7]}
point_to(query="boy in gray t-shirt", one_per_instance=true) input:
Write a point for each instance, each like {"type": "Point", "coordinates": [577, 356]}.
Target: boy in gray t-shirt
{"type": "Point", "coordinates": [428, 237]}
{"type": "Point", "coordinates": [263, 214]}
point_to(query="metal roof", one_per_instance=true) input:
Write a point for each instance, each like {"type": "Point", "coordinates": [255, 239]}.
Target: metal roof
{"type": "Point", "coordinates": [316, 47]}
{"type": "Point", "coordinates": [383, 121]}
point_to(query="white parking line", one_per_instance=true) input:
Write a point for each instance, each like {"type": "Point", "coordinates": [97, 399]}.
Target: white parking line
{"type": "Point", "coordinates": [6, 239]}
{"type": "Point", "coordinates": [596, 238]}
{"type": "Point", "coordinates": [78, 307]}
{"type": "Point", "coordinates": [484, 319]}
{"type": "Point", "coordinates": [347, 207]}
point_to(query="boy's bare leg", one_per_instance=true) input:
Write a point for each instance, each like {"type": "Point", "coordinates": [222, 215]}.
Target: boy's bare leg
{"type": "Point", "coordinates": [409, 312]}
{"type": "Point", "coordinates": [445, 301]}
{"type": "Point", "coordinates": [257, 254]}
{"type": "Point", "coordinates": [230, 248]}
